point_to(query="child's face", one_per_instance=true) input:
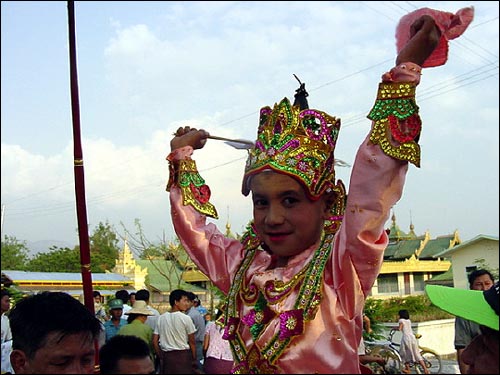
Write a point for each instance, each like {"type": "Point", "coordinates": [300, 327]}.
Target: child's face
{"type": "Point", "coordinates": [285, 218]}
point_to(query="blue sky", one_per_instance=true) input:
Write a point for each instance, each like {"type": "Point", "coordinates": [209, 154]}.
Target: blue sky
{"type": "Point", "coordinates": [146, 68]}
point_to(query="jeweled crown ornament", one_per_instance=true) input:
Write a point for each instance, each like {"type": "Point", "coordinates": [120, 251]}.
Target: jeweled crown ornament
{"type": "Point", "coordinates": [297, 141]}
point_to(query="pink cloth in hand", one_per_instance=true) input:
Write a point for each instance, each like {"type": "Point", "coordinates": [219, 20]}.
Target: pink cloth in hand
{"type": "Point", "coordinates": [451, 26]}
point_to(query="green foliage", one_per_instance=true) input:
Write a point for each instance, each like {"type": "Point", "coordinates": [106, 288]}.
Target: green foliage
{"type": "Point", "coordinates": [103, 248]}
{"type": "Point", "coordinates": [15, 294]}
{"type": "Point", "coordinates": [420, 308]}
{"type": "Point", "coordinates": [216, 295]}
{"type": "Point", "coordinates": [153, 251]}
{"type": "Point", "coordinates": [14, 254]}
{"type": "Point", "coordinates": [372, 307]}
{"type": "Point", "coordinates": [103, 253]}
{"type": "Point", "coordinates": [56, 260]}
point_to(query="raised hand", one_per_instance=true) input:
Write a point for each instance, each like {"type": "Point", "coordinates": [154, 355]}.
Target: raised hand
{"type": "Point", "coordinates": [425, 35]}
{"type": "Point", "coordinates": [187, 136]}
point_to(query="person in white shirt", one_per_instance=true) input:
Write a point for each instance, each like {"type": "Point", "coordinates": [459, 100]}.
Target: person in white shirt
{"type": "Point", "coordinates": [173, 337]}
{"type": "Point", "coordinates": [6, 332]}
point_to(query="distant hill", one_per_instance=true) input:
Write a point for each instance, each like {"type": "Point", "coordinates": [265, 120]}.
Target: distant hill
{"type": "Point", "coordinates": [45, 245]}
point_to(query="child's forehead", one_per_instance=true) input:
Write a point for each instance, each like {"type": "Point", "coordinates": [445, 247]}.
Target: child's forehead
{"type": "Point", "coordinates": [275, 182]}
{"type": "Point", "coordinates": [270, 177]}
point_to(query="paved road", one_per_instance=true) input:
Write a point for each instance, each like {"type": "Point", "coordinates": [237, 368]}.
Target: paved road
{"type": "Point", "coordinates": [449, 367]}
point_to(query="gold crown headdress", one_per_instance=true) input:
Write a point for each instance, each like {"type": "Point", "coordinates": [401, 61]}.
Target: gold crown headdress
{"type": "Point", "coordinates": [297, 141]}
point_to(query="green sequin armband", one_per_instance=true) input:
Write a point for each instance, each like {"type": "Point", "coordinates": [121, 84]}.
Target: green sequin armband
{"type": "Point", "coordinates": [397, 124]}
{"type": "Point", "coordinates": [194, 190]}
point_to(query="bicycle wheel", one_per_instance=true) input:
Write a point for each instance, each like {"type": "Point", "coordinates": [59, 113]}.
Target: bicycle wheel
{"type": "Point", "coordinates": [432, 361]}
{"type": "Point", "coordinates": [391, 357]}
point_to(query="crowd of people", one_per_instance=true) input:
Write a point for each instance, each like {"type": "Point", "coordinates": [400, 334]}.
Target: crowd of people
{"type": "Point", "coordinates": [52, 332]}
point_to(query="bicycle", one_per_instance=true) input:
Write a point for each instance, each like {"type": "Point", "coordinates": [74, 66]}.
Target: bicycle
{"type": "Point", "coordinates": [390, 354]}
{"type": "Point", "coordinates": [389, 350]}
{"type": "Point", "coordinates": [431, 358]}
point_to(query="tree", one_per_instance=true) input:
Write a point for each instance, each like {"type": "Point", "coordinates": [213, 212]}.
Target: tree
{"type": "Point", "coordinates": [56, 260]}
{"type": "Point", "coordinates": [178, 259]}
{"type": "Point", "coordinates": [103, 248]}
{"type": "Point", "coordinates": [14, 254]}
{"type": "Point", "coordinates": [103, 253]}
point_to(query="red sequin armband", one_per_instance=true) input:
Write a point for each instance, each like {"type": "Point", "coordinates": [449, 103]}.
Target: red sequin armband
{"type": "Point", "coordinates": [195, 192]}
{"type": "Point", "coordinates": [397, 124]}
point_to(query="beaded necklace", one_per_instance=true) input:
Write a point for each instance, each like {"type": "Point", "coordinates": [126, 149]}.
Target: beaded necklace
{"type": "Point", "coordinates": [257, 360]}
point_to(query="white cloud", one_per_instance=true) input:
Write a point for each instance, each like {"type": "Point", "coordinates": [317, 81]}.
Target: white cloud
{"type": "Point", "coordinates": [212, 65]}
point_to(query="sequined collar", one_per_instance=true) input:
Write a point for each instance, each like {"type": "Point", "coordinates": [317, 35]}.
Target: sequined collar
{"type": "Point", "coordinates": [310, 280]}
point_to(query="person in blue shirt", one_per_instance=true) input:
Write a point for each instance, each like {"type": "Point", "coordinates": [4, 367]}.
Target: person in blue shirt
{"type": "Point", "coordinates": [113, 325]}
{"type": "Point", "coordinates": [197, 304]}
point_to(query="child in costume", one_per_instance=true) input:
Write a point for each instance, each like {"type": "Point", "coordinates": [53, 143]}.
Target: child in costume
{"type": "Point", "coordinates": [297, 281]}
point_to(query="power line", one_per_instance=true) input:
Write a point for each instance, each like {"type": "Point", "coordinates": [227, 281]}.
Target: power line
{"type": "Point", "coordinates": [441, 88]}
{"type": "Point", "coordinates": [468, 78]}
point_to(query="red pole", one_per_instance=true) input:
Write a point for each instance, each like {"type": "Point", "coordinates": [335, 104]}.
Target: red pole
{"type": "Point", "coordinates": [81, 209]}
{"type": "Point", "coordinates": [81, 206]}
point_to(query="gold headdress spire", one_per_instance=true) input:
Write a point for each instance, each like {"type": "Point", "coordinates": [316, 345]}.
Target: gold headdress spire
{"type": "Point", "coordinates": [297, 141]}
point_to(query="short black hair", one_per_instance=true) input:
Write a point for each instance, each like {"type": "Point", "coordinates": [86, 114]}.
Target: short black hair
{"type": "Point", "coordinates": [142, 295]}
{"type": "Point", "coordinates": [176, 295]}
{"type": "Point", "coordinates": [123, 295]}
{"type": "Point", "coordinates": [476, 273]}
{"type": "Point", "coordinates": [118, 347]}
{"type": "Point", "coordinates": [191, 296]}
{"type": "Point", "coordinates": [5, 292]}
{"type": "Point", "coordinates": [34, 317]}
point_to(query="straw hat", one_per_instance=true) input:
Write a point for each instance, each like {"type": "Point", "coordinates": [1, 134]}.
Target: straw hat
{"type": "Point", "coordinates": [139, 307]}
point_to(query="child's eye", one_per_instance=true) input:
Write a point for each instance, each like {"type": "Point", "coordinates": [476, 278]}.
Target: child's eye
{"type": "Point", "coordinates": [259, 202]}
{"type": "Point", "coordinates": [88, 360]}
{"type": "Point", "coordinates": [61, 363]}
{"type": "Point", "coordinates": [289, 201]}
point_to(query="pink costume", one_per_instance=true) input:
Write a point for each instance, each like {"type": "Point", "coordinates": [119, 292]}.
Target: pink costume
{"type": "Point", "coordinates": [340, 269]}
{"type": "Point", "coordinates": [305, 317]}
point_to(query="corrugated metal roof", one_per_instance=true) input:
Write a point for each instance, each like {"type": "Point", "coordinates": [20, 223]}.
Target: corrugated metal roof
{"type": "Point", "coordinates": [17, 276]}
{"type": "Point", "coordinates": [406, 248]}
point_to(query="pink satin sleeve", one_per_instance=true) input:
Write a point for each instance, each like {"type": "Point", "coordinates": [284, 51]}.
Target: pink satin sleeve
{"type": "Point", "coordinates": [216, 255]}
{"type": "Point", "coordinates": [376, 185]}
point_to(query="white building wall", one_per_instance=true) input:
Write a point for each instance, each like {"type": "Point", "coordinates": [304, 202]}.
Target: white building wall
{"type": "Point", "coordinates": [438, 335]}
{"type": "Point", "coordinates": [468, 255]}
